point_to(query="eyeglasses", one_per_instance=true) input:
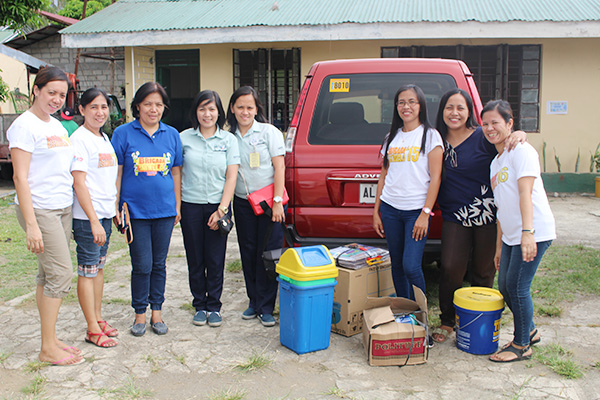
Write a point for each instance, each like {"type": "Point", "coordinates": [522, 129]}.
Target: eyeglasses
{"type": "Point", "coordinates": [411, 103]}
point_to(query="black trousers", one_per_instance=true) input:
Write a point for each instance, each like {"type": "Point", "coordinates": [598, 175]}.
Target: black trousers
{"type": "Point", "coordinates": [459, 245]}
{"type": "Point", "coordinates": [251, 231]}
{"type": "Point", "coordinates": [205, 253]}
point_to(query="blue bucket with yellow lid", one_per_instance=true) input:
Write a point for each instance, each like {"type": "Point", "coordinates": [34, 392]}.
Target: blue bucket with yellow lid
{"type": "Point", "coordinates": [478, 314]}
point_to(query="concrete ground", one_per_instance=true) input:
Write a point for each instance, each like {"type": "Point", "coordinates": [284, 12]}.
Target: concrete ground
{"type": "Point", "coordinates": [192, 362]}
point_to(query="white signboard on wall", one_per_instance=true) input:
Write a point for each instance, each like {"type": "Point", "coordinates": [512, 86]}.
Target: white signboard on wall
{"type": "Point", "coordinates": [557, 107]}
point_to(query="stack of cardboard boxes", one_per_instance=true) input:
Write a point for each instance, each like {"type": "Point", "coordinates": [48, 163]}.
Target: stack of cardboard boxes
{"type": "Point", "coordinates": [362, 303]}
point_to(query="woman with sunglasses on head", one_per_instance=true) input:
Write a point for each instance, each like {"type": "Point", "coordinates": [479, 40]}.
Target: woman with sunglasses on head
{"type": "Point", "coordinates": [467, 203]}
{"type": "Point", "coordinates": [42, 158]}
{"type": "Point", "coordinates": [149, 181]}
{"type": "Point", "coordinates": [261, 164]}
{"type": "Point", "coordinates": [526, 226]}
{"type": "Point", "coordinates": [210, 165]}
{"type": "Point", "coordinates": [95, 175]}
{"type": "Point", "coordinates": [407, 188]}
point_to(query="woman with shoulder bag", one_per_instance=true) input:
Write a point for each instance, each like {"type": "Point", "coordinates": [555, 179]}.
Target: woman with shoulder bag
{"type": "Point", "coordinates": [262, 163]}
{"type": "Point", "coordinates": [210, 165]}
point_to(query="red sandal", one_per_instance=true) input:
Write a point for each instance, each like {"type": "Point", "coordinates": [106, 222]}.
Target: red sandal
{"type": "Point", "coordinates": [107, 343]}
{"type": "Point", "coordinates": [109, 330]}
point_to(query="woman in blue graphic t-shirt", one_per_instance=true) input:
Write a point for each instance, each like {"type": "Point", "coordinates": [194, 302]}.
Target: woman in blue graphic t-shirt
{"type": "Point", "coordinates": [149, 181]}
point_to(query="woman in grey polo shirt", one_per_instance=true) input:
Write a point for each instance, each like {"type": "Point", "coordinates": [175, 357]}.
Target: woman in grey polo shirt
{"type": "Point", "coordinates": [261, 164]}
{"type": "Point", "coordinates": [210, 166]}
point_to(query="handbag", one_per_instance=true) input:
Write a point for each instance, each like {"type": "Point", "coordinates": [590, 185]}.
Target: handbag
{"type": "Point", "coordinates": [225, 224]}
{"type": "Point", "coordinates": [265, 195]}
{"type": "Point", "coordinates": [262, 199]}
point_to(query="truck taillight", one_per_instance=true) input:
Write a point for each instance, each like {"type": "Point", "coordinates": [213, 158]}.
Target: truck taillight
{"type": "Point", "coordinates": [291, 132]}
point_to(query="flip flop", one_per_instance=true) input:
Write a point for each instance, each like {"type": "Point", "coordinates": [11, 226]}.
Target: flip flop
{"type": "Point", "coordinates": [109, 330]}
{"type": "Point", "coordinates": [73, 350]}
{"type": "Point", "coordinates": [520, 353]}
{"type": "Point", "coordinates": [64, 362]}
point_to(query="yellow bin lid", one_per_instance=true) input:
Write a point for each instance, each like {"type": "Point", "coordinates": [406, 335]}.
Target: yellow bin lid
{"type": "Point", "coordinates": [307, 263]}
{"type": "Point", "coordinates": [478, 299]}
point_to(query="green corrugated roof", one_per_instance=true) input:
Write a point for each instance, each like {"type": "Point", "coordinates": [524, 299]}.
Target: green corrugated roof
{"type": "Point", "coordinates": [164, 15]}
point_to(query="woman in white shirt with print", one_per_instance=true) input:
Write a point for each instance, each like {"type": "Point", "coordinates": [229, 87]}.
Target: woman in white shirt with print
{"type": "Point", "coordinates": [408, 186]}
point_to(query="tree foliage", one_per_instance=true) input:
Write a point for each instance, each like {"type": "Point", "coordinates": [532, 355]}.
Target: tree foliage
{"type": "Point", "coordinates": [74, 8]}
{"type": "Point", "coordinates": [18, 14]}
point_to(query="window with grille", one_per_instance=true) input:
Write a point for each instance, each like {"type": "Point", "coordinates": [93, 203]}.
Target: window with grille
{"type": "Point", "coordinates": [509, 72]}
{"type": "Point", "coordinates": [275, 74]}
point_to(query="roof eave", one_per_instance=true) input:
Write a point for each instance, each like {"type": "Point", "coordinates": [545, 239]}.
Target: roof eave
{"type": "Point", "coordinates": [348, 31]}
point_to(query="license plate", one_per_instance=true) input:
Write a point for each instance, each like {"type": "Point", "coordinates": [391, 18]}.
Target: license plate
{"type": "Point", "coordinates": [367, 193]}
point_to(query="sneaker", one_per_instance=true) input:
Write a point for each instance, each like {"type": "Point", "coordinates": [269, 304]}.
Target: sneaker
{"type": "Point", "coordinates": [266, 319]}
{"type": "Point", "coordinates": [214, 319]}
{"type": "Point", "coordinates": [249, 313]}
{"type": "Point", "coordinates": [160, 328]}
{"type": "Point", "coordinates": [199, 318]}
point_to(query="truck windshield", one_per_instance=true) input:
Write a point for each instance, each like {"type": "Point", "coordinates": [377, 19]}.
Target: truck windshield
{"type": "Point", "coordinates": [356, 109]}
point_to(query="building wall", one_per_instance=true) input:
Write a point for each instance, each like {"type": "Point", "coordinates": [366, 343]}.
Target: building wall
{"type": "Point", "coordinates": [139, 69]}
{"type": "Point", "coordinates": [570, 71]}
{"type": "Point", "coordinates": [92, 72]}
{"type": "Point", "coordinates": [14, 74]}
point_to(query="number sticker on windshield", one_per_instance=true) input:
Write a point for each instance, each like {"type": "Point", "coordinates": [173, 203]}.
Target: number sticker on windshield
{"type": "Point", "coordinates": [339, 85]}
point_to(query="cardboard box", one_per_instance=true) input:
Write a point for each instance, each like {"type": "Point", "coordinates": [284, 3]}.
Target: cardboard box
{"type": "Point", "coordinates": [388, 342]}
{"type": "Point", "coordinates": [351, 292]}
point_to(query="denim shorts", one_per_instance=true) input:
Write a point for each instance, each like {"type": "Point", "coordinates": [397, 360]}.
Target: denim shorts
{"type": "Point", "coordinates": [88, 252]}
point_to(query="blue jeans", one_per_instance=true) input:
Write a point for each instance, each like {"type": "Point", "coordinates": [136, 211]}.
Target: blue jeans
{"type": "Point", "coordinates": [88, 252]}
{"type": "Point", "coordinates": [406, 253]}
{"type": "Point", "coordinates": [148, 251]}
{"type": "Point", "coordinates": [514, 281]}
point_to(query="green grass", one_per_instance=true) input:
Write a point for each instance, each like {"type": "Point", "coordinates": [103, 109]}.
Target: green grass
{"type": "Point", "coordinates": [256, 361]}
{"type": "Point", "coordinates": [565, 271]}
{"type": "Point", "coordinates": [129, 390]}
{"type": "Point", "coordinates": [36, 387]}
{"type": "Point", "coordinates": [18, 266]}
{"type": "Point", "coordinates": [35, 366]}
{"type": "Point", "coordinates": [188, 307]}
{"type": "Point", "coordinates": [4, 356]}
{"type": "Point", "coordinates": [228, 394]}
{"type": "Point", "coordinates": [234, 266]}
{"type": "Point", "coordinates": [154, 363]}
{"type": "Point", "coordinates": [558, 360]}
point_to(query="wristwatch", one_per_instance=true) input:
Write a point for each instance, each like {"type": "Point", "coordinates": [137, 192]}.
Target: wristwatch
{"type": "Point", "coordinates": [532, 231]}
{"type": "Point", "coordinates": [427, 210]}
{"type": "Point", "coordinates": [224, 209]}
{"type": "Point", "coordinates": [277, 199]}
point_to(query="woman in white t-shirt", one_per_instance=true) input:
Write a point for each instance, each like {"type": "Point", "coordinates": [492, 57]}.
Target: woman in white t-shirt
{"type": "Point", "coordinates": [525, 226]}
{"type": "Point", "coordinates": [42, 158]}
{"type": "Point", "coordinates": [95, 175]}
{"type": "Point", "coordinates": [407, 188]}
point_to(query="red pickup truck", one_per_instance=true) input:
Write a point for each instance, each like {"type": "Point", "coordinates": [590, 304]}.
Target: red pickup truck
{"type": "Point", "coordinates": [332, 162]}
